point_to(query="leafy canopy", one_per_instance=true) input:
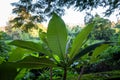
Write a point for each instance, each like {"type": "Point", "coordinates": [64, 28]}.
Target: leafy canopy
{"type": "Point", "coordinates": [45, 8]}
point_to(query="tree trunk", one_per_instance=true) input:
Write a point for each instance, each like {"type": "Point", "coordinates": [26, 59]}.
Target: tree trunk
{"type": "Point", "coordinates": [65, 74]}
{"type": "Point", "coordinates": [81, 72]}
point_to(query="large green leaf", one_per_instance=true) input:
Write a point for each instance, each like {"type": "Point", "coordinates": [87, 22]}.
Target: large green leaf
{"type": "Point", "coordinates": [31, 62]}
{"type": "Point", "coordinates": [34, 62]}
{"type": "Point", "coordinates": [87, 50]}
{"type": "Point", "coordinates": [28, 45]}
{"type": "Point", "coordinates": [8, 70]}
{"type": "Point", "coordinates": [79, 40]}
{"type": "Point", "coordinates": [57, 36]}
{"type": "Point", "coordinates": [97, 52]}
{"type": "Point", "coordinates": [16, 54]}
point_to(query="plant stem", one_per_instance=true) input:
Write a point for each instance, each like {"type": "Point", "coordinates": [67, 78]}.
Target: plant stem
{"type": "Point", "coordinates": [65, 74]}
{"type": "Point", "coordinates": [81, 72]}
{"type": "Point", "coordinates": [50, 73]}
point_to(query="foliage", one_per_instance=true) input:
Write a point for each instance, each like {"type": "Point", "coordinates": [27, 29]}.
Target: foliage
{"type": "Point", "coordinates": [73, 31]}
{"type": "Point", "coordinates": [45, 8]}
{"type": "Point", "coordinates": [102, 30]}
{"type": "Point", "coordinates": [4, 48]}
{"type": "Point", "coordinates": [88, 18]}
{"type": "Point", "coordinates": [110, 75]}
{"type": "Point", "coordinates": [108, 60]}
{"type": "Point", "coordinates": [39, 8]}
{"type": "Point", "coordinates": [24, 19]}
{"type": "Point", "coordinates": [56, 49]}
{"type": "Point", "coordinates": [25, 24]}
{"type": "Point", "coordinates": [4, 36]}
{"type": "Point", "coordinates": [57, 74]}
{"type": "Point", "coordinates": [17, 33]}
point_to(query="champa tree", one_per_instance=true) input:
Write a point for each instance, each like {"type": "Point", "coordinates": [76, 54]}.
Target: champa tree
{"type": "Point", "coordinates": [55, 47]}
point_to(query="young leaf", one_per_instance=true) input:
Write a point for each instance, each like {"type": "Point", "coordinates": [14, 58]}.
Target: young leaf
{"type": "Point", "coordinates": [57, 36]}
{"type": "Point", "coordinates": [79, 40]}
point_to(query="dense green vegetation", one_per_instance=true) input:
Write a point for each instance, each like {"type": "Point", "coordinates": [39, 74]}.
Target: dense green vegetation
{"type": "Point", "coordinates": [61, 53]}
{"type": "Point", "coordinates": [28, 51]}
